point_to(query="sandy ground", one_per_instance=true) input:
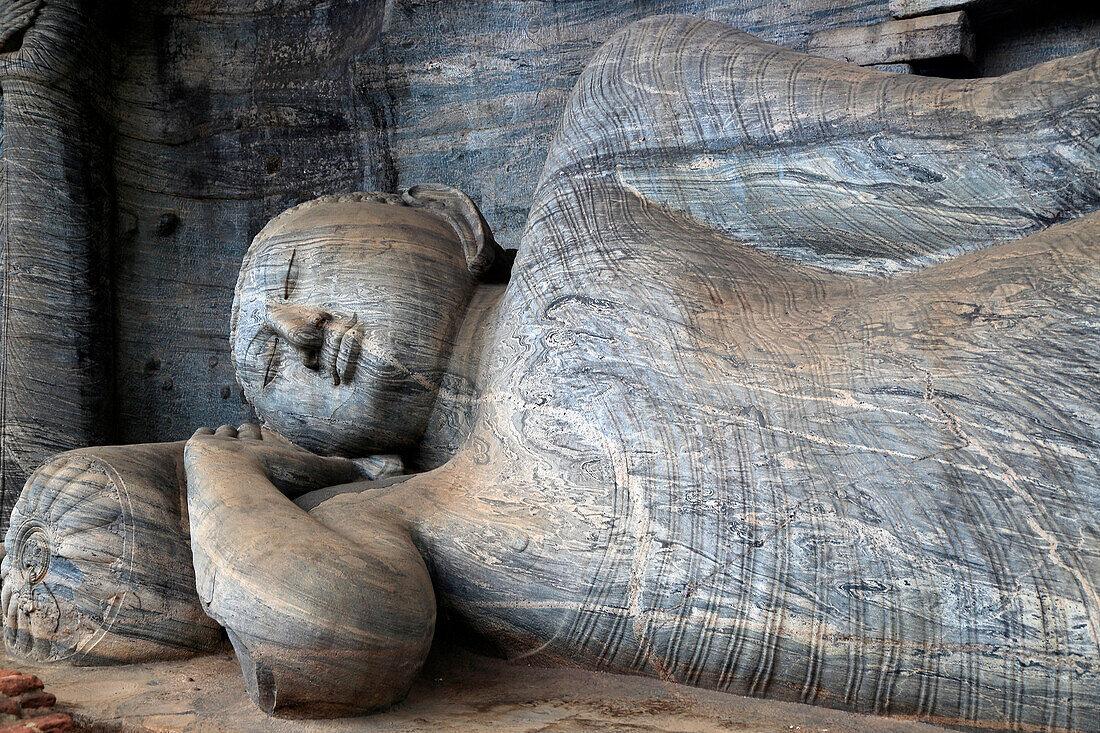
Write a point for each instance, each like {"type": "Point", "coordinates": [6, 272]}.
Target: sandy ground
{"type": "Point", "coordinates": [458, 691]}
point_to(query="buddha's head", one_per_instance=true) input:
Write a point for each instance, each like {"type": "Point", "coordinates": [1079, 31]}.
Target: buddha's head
{"type": "Point", "coordinates": [346, 311]}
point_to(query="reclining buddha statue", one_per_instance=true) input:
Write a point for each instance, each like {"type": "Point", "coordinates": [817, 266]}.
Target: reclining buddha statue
{"type": "Point", "coordinates": [791, 391]}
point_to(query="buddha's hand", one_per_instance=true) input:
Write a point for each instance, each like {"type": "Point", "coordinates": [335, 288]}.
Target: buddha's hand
{"type": "Point", "coordinates": [322, 625]}
{"type": "Point", "coordinates": [293, 470]}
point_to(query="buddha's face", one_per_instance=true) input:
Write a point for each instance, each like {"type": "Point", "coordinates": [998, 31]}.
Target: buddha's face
{"type": "Point", "coordinates": [344, 318]}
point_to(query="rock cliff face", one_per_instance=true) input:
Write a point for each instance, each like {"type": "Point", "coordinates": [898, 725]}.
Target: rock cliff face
{"type": "Point", "coordinates": [204, 120]}
{"type": "Point", "coordinates": [791, 393]}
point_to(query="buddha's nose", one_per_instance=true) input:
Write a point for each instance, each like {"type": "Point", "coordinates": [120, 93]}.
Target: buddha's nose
{"type": "Point", "coordinates": [301, 326]}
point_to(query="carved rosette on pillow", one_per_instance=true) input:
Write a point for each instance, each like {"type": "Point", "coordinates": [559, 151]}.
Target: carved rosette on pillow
{"type": "Point", "coordinates": [97, 568]}
{"type": "Point", "coordinates": [87, 534]}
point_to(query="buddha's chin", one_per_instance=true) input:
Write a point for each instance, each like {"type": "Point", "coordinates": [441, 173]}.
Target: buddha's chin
{"type": "Point", "coordinates": [351, 424]}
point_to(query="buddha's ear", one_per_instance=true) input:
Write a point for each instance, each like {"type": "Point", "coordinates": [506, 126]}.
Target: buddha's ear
{"type": "Point", "coordinates": [484, 257]}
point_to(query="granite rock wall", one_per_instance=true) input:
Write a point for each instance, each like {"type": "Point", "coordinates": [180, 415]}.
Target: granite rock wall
{"type": "Point", "coordinates": [217, 116]}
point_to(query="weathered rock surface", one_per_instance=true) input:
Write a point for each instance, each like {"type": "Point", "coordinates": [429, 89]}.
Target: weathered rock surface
{"type": "Point", "coordinates": [790, 394]}
{"type": "Point", "coordinates": [945, 35]}
{"type": "Point", "coordinates": [55, 335]}
{"type": "Point", "coordinates": [188, 126]}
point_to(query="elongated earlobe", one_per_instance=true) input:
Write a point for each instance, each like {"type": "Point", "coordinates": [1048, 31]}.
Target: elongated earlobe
{"type": "Point", "coordinates": [486, 260]}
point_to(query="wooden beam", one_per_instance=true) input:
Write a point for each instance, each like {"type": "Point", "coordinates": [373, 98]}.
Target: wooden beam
{"type": "Point", "coordinates": [910, 8]}
{"type": "Point", "coordinates": [898, 41]}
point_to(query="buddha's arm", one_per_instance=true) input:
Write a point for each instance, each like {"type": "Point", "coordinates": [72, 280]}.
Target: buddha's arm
{"type": "Point", "coordinates": [98, 565]}
{"type": "Point", "coordinates": [321, 625]}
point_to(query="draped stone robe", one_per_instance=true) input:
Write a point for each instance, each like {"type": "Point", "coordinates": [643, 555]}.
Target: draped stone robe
{"type": "Point", "coordinates": [863, 475]}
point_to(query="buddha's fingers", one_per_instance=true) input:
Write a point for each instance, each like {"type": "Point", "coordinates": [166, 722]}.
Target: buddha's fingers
{"type": "Point", "coordinates": [322, 626]}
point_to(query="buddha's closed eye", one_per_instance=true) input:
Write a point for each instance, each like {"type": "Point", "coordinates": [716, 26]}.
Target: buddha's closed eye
{"type": "Point", "coordinates": [263, 352]}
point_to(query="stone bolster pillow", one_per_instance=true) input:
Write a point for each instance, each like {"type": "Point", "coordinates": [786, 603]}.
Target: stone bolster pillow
{"type": "Point", "coordinates": [97, 566]}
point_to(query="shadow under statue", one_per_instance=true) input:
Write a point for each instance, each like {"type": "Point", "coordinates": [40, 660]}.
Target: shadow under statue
{"type": "Point", "coordinates": [791, 392]}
